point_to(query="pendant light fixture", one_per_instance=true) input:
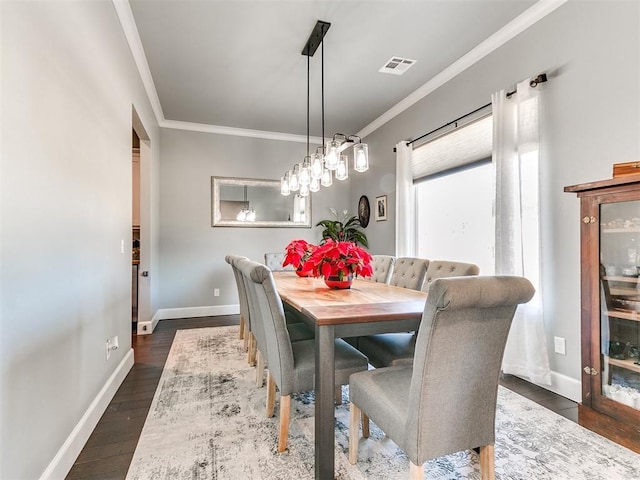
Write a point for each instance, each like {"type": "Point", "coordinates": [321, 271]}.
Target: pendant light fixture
{"type": "Point", "coordinates": [318, 169]}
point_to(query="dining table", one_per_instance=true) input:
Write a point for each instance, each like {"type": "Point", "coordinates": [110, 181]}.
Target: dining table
{"type": "Point", "coordinates": [365, 308]}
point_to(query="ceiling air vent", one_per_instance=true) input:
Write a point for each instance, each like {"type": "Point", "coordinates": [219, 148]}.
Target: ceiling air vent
{"type": "Point", "coordinates": [397, 65]}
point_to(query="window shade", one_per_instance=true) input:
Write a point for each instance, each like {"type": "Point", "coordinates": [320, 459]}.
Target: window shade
{"type": "Point", "coordinates": [462, 146]}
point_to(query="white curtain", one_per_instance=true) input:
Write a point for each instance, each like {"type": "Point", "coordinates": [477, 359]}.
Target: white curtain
{"type": "Point", "coordinates": [405, 203]}
{"type": "Point", "coordinates": [517, 249]}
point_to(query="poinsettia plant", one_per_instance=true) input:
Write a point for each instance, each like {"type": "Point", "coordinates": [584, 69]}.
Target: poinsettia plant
{"type": "Point", "coordinates": [339, 259]}
{"type": "Point", "coordinates": [297, 252]}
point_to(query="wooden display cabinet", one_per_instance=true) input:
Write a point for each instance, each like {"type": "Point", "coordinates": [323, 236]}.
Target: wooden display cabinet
{"type": "Point", "coordinates": [610, 289]}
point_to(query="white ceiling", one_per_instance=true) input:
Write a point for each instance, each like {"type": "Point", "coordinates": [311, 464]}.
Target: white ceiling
{"type": "Point", "coordinates": [239, 64]}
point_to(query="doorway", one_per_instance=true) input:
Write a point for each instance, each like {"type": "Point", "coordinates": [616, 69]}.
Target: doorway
{"type": "Point", "coordinates": [135, 227]}
{"type": "Point", "coordinates": [144, 228]}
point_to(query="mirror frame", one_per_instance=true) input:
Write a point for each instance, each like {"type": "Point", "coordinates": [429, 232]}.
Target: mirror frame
{"type": "Point", "coordinates": [216, 216]}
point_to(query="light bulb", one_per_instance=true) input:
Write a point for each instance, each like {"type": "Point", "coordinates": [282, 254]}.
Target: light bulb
{"type": "Point", "coordinates": [316, 166]}
{"type": "Point", "coordinates": [327, 179]}
{"type": "Point", "coordinates": [294, 184]}
{"type": "Point", "coordinates": [331, 158]}
{"type": "Point", "coordinates": [284, 185]}
{"type": "Point", "coordinates": [342, 172]}
{"type": "Point", "coordinates": [305, 172]}
{"type": "Point", "coordinates": [314, 186]}
{"type": "Point", "coordinates": [361, 157]}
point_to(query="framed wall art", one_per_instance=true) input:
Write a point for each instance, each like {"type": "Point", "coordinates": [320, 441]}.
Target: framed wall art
{"type": "Point", "coordinates": [381, 208]}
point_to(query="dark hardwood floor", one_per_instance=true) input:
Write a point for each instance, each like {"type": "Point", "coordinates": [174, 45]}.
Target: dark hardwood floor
{"type": "Point", "coordinates": [110, 448]}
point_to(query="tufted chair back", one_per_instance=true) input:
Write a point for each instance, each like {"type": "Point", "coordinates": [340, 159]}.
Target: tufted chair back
{"type": "Point", "coordinates": [445, 402]}
{"type": "Point", "coordinates": [443, 269]}
{"type": "Point", "coordinates": [382, 268]}
{"type": "Point", "coordinates": [273, 261]}
{"type": "Point", "coordinates": [409, 273]}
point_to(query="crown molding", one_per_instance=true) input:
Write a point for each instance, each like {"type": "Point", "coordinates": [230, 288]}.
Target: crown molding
{"type": "Point", "coordinates": [519, 24]}
{"type": "Point", "coordinates": [238, 132]}
{"type": "Point", "coordinates": [125, 15]}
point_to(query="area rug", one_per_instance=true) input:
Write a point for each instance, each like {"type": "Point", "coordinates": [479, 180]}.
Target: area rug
{"type": "Point", "coordinates": [207, 421]}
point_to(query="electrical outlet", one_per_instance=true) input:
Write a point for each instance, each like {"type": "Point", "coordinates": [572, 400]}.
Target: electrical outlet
{"type": "Point", "coordinates": [560, 345]}
{"type": "Point", "coordinates": [112, 345]}
{"type": "Point", "coordinates": [216, 292]}
{"type": "Point", "coordinates": [121, 246]}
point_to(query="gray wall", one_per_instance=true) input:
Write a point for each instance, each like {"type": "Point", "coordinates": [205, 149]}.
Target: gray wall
{"type": "Point", "coordinates": [191, 251]}
{"type": "Point", "coordinates": [68, 87]}
{"type": "Point", "coordinates": [590, 120]}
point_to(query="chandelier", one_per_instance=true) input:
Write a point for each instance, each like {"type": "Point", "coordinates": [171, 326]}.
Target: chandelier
{"type": "Point", "coordinates": [330, 159]}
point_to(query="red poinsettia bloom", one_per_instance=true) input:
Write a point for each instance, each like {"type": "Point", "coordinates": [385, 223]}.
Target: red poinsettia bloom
{"type": "Point", "coordinates": [339, 259]}
{"type": "Point", "coordinates": [297, 253]}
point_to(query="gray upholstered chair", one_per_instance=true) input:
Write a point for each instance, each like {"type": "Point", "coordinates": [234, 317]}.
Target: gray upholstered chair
{"type": "Point", "coordinates": [258, 344]}
{"type": "Point", "coordinates": [273, 261]}
{"type": "Point", "coordinates": [409, 272]}
{"type": "Point", "coordinates": [446, 269]}
{"type": "Point", "coordinates": [242, 298]}
{"type": "Point", "coordinates": [291, 365]}
{"type": "Point", "coordinates": [382, 268]}
{"type": "Point", "coordinates": [446, 401]}
{"type": "Point", "coordinates": [388, 349]}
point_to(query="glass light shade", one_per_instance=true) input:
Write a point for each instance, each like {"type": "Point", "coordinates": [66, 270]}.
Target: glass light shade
{"type": "Point", "coordinates": [304, 190]}
{"type": "Point", "coordinates": [332, 156]}
{"type": "Point", "coordinates": [327, 178]}
{"type": "Point", "coordinates": [314, 186]}
{"type": "Point", "coordinates": [316, 165]}
{"type": "Point", "coordinates": [305, 172]}
{"type": "Point", "coordinates": [361, 157]}
{"type": "Point", "coordinates": [251, 215]}
{"type": "Point", "coordinates": [342, 172]}
{"type": "Point", "coordinates": [242, 215]}
{"type": "Point", "coordinates": [284, 185]}
{"type": "Point", "coordinates": [294, 183]}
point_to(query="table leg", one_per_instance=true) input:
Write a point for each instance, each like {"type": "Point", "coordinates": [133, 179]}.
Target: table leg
{"type": "Point", "coordinates": [325, 389]}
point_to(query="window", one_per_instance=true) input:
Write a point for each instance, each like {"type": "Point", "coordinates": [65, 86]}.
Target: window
{"type": "Point", "coordinates": [455, 217]}
{"type": "Point", "coordinates": [454, 191]}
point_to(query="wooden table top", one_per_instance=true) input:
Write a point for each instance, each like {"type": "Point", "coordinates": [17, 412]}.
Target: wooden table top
{"type": "Point", "coordinates": [364, 302]}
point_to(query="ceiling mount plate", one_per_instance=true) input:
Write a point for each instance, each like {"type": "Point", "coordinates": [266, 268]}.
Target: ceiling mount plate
{"type": "Point", "coordinates": [315, 38]}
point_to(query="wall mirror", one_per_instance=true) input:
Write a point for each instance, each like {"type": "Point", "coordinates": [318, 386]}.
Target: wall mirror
{"type": "Point", "coordinates": [251, 202]}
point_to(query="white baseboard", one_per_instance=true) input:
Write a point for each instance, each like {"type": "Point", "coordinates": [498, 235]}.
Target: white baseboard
{"type": "Point", "coordinates": [71, 448]}
{"type": "Point", "coordinates": [189, 312]}
{"type": "Point", "coordinates": [562, 385]}
{"type": "Point", "coordinates": [145, 328]}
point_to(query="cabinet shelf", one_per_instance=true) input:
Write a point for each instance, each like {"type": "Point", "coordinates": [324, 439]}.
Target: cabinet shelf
{"type": "Point", "coordinates": [628, 364]}
{"type": "Point", "coordinates": [619, 278]}
{"type": "Point", "coordinates": [621, 230]}
{"type": "Point", "coordinates": [624, 314]}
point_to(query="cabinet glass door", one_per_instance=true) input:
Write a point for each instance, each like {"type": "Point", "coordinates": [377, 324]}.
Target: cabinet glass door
{"type": "Point", "coordinates": [620, 302]}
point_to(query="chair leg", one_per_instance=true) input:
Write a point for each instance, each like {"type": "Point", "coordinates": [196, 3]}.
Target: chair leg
{"type": "Point", "coordinates": [416, 472]}
{"type": "Point", "coordinates": [487, 463]}
{"type": "Point", "coordinates": [247, 335]}
{"type": "Point", "coordinates": [338, 399]}
{"type": "Point", "coordinates": [353, 433]}
{"type": "Point", "coordinates": [253, 347]}
{"type": "Point", "coordinates": [285, 410]}
{"type": "Point", "coordinates": [241, 327]}
{"type": "Point", "coordinates": [259, 369]}
{"type": "Point", "coordinates": [365, 426]}
{"type": "Point", "coordinates": [271, 395]}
